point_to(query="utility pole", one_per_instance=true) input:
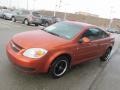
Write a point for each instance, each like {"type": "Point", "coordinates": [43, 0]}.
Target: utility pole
{"type": "Point", "coordinates": [111, 17]}
{"type": "Point", "coordinates": [55, 9]}
{"type": "Point", "coordinates": [65, 12]}
{"type": "Point", "coordinates": [65, 15]}
{"type": "Point", "coordinates": [60, 4]}
{"type": "Point", "coordinates": [10, 1]}
{"type": "Point", "coordinates": [57, 6]}
{"type": "Point", "coordinates": [34, 4]}
{"type": "Point", "coordinates": [27, 4]}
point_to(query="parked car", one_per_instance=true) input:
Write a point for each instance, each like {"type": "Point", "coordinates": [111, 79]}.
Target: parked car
{"type": "Point", "coordinates": [27, 17]}
{"type": "Point", "coordinates": [48, 20]}
{"type": "Point", "coordinates": [0, 13]}
{"type": "Point", "coordinates": [58, 47]}
{"type": "Point", "coordinates": [7, 14]}
{"type": "Point", "coordinates": [59, 19]}
{"type": "Point", "coordinates": [112, 30]}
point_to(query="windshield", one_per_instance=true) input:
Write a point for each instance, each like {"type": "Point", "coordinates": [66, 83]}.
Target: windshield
{"type": "Point", "coordinates": [7, 11]}
{"type": "Point", "coordinates": [64, 29]}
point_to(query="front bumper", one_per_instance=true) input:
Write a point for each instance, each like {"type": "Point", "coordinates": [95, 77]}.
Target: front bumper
{"type": "Point", "coordinates": [8, 17]}
{"type": "Point", "coordinates": [25, 64]}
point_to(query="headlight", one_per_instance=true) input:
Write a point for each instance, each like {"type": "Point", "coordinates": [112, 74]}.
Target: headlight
{"type": "Point", "coordinates": [35, 52]}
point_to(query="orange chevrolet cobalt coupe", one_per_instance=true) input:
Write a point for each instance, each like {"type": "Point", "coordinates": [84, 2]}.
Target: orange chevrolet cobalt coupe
{"type": "Point", "coordinates": [58, 47]}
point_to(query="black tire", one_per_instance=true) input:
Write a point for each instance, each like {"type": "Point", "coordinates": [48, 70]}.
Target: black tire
{"type": "Point", "coordinates": [13, 19]}
{"type": "Point", "coordinates": [36, 24]}
{"type": "Point", "coordinates": [59, 67]}
{"type": "Point", "coordinates": [26, 22]}
{"type": "Point", "coordinates": [4, 17]}
{"type": "Point", "coordinates": [46, 24]}
{"type": "Point", "coordinates": [106, 56]}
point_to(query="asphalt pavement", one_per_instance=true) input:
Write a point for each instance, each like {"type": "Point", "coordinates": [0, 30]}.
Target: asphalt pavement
{"type": "Point", "coordinates": [92, 75]}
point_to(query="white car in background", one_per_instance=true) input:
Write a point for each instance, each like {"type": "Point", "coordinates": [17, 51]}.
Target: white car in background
{"type": "Point", "coordinates": [7, 14]}
{"type": "Point", "coordinates": [1, 13]}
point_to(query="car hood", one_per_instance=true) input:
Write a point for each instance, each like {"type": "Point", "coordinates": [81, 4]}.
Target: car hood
{"type": "Point", "coordinates": [38, 39]}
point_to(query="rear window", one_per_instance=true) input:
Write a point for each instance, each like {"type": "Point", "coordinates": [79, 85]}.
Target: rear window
{"type": "Point", "coordinates": [37, 14]}
{"type": "Point", "coordinates": [7, 11]}
{"type": "Point", "coordinates": [25, 12]}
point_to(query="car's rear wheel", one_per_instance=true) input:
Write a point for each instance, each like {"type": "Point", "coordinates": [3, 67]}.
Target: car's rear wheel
{"type": "Point", "coordinates": [59, 67]}
{"type": "Point", "coordinates": [36, 24]}
{"type": "Point", "coordinates": [13, 19]}
{"type": "Point", "coordinates": [26, 22]}
{"type": "Point", "coordinates": [106, 56]}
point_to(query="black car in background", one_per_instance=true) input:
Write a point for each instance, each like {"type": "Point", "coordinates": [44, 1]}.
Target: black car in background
{"type": "Point", "coordinates": [47, 20]}
{"type": "Point", "coordinates": [113, 30]}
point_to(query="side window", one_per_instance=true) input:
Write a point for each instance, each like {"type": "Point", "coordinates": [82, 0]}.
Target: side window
{"type": "Point", "coordinates": [25, 12]}
{"type": "Point", "coordinates": [104, 34]}
{"type": "Point", "coordinates": [94, 34]}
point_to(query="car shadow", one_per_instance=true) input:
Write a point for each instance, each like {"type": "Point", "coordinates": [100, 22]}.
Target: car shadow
{"type": "Point", "coordinates": [79, 75]}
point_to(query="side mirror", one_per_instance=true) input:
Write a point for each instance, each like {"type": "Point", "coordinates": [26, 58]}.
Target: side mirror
{"type": "Point", "coordinates": [84, 40]}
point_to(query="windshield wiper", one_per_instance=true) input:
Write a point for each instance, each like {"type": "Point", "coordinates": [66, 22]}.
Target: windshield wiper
{"type": "Point", "coordinates": [53, 33]}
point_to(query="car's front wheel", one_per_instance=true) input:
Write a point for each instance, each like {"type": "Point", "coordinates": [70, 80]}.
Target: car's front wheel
{"type": "Point", "coordinates": [13, 19]}
{"type": "Point", "coordinates": [106, 56]}
{"type": "Point", "coordinates": [4, 17]}
{"type": "Point", "coordinates": [36, 24]}
{"type": "Point", "coordinates": [59, 67]}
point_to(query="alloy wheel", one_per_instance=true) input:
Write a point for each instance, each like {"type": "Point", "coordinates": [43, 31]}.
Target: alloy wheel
{"type": "Point", "coordinates": [60, 67]}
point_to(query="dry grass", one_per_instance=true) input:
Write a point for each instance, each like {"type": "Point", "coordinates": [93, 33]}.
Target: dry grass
{"type": "Point", "coordinates": [102, 22]}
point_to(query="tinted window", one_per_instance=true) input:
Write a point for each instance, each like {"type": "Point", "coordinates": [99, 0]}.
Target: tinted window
{"type": "Point", "coordinates": [7, 11]}
{"type": "Point", "coordinates": [95, 33]}
{"type": "Point", "coordinates": [104, 34]}
{"type": "Point", "coordinates": [37, 14]}
{"type": "Point", "coordinates": [25, 12]}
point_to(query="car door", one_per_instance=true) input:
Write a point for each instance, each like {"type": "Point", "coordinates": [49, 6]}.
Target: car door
{"type": "Point", "coordinates": [18, 15]}
{"type": "Point", "coordinates": [21, 16]}
{"type": "Point", "coordinates": [104, 41]}
{"type": "Point", "coordinates": [90, 50]}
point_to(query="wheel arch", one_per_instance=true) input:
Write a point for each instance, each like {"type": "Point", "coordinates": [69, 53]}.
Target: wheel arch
{"type": "Point", "coordinates": [12, 16]}
{"type": "Point", "coordinates": [25, 19]}
{"type": "Point", "coordinates": [110, 47]}
{"type": "Point", "coordinates": [52, 60]}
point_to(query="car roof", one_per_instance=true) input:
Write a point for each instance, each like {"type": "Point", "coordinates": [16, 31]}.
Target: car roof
{"type": "Point", "coordinates": [83, 24]}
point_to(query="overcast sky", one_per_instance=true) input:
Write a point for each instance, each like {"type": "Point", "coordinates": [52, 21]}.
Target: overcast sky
{"type": "Point", "coordinates": [104, 8]}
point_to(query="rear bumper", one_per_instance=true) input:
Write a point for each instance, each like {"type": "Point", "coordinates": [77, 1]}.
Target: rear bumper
{"type": "Point", "coordinates": [35, 22]}
{"type": "Point", "coordinates": [25, 64]}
